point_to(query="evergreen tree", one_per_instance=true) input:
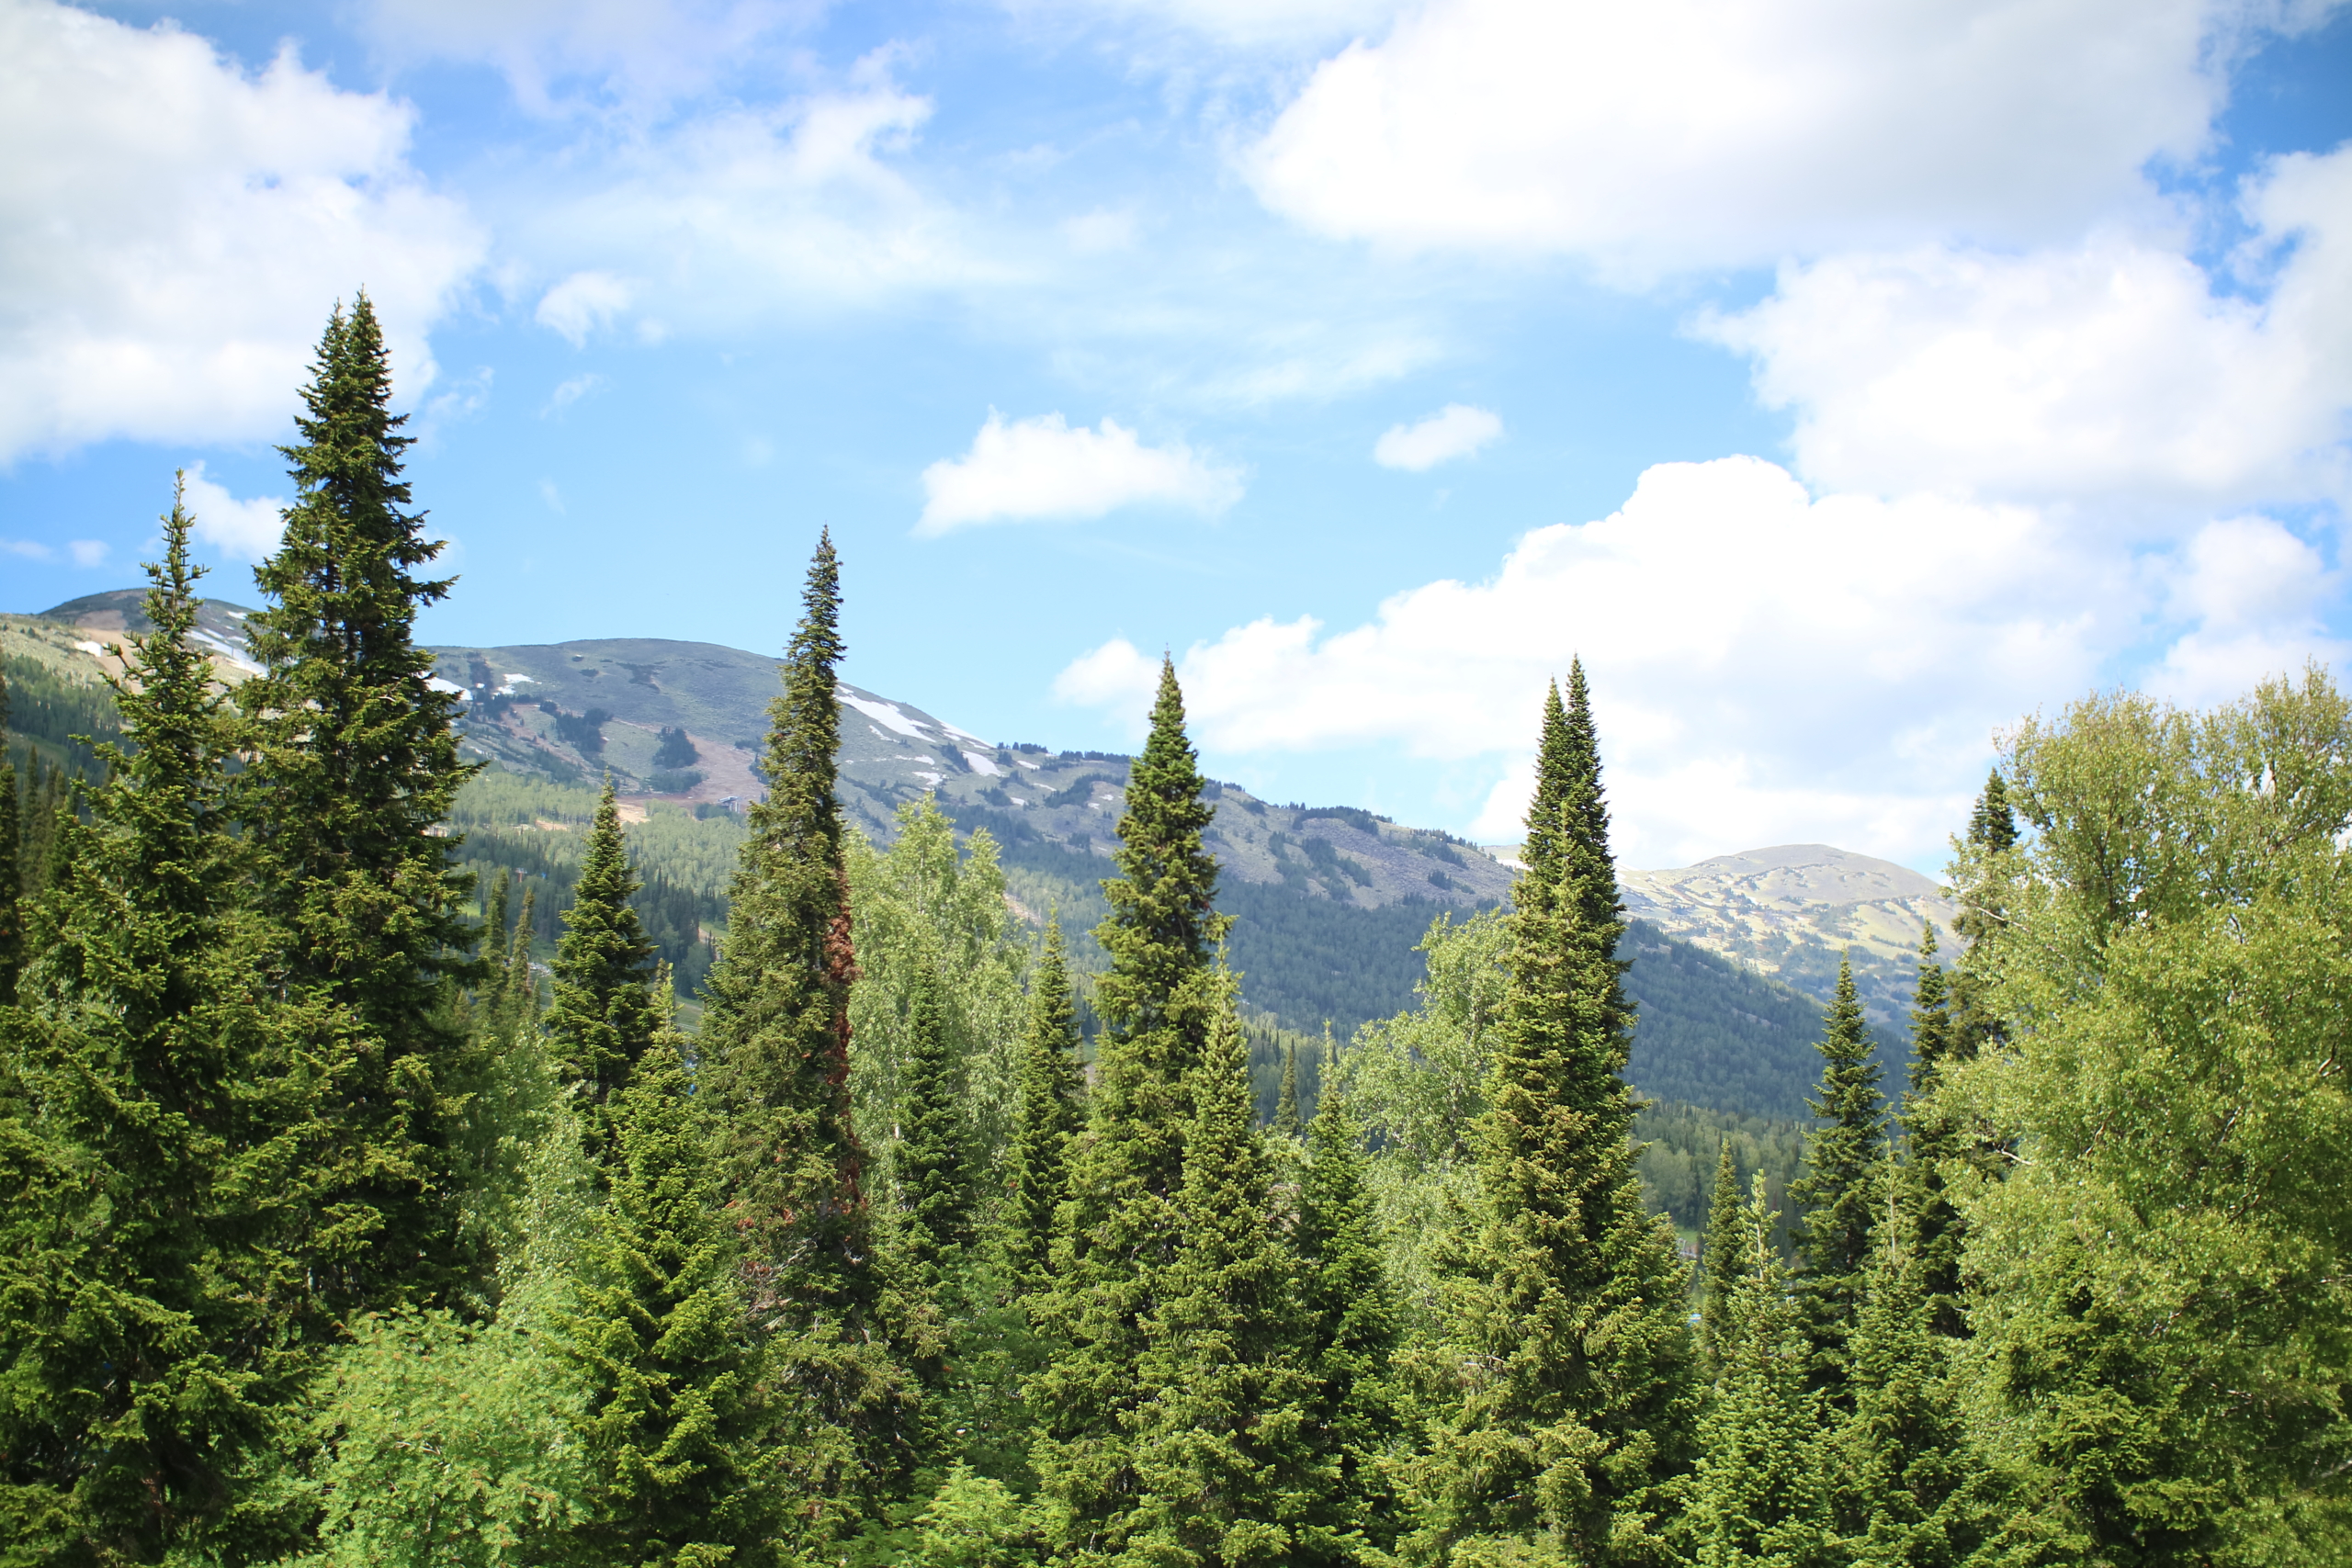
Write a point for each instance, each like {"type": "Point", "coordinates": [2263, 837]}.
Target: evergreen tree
{"type": "Point", "coordinates": [1037, 1171]}
{"type": "Point", "coordinates": [775, 1045]}
{"type": "Point", "coordinates": [12, 929]}
{"type": "Point", "coordinates": [1220, 1448]}
{"type": "Point", "coordinates": [1348, 1324]}
{"type": "Point", "coordinates": [670, 1429]}
{"type": "Point", "coordinates": [1117, 1237]}
{"type": "Point", "coordinates": [1909, 1494]}
{"type": "Point", "coordinates": [603, 1017]}
{"type": "Point", "coordinates": [1933, 1135]}
{"type": "Point", "coordinates": [143, 1358]}
{"type": "Point", "coordinates": [936, 1202]}
{"type": "Point", "coordinates": [1759, 1497]}
{"type": "Point", "coordinates": [1844, 1166]}
{"type": "Point", "coordinates": [1286, 1122]}
{"type": "Point", "coordinates": [1992, 833]}
{"type": "Point", "coordinates": [353, 767]}
{"type": "Point", "coordinates": [1569, 1432]}
{"type": "Point", "coordinates": [1720, 1262]}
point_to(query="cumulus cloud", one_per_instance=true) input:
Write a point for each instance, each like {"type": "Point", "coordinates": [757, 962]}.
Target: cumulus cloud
{"type": "Point", "coordinates": [1248, 22]}
{"type": "Point", "coordinates": [1455, 430]}
{"type": "Point", "coordinates": [1042, 470]}
{"type": "Point", "coordinates": [2108, 367]}
{"type": "Point", "coordinates": [172, 232]}
{"type": "Point", "coordinates": [1767, 666]}
{"type": "Point", "coordinates": [1685, 132]}
{"type": "Point", "coordinates": [248, 530]}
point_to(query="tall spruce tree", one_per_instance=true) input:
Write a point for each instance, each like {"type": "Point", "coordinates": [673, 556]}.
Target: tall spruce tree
{"type": "Point", "coordinates": [1569, 1432]}
{"type": "Point", "coordinates": [144, 1361]}
{"type": "Point", "coordinates": [1348, 1328]}
{"type": "Point", "coordinates": [1907, 1493]}
{"type": "Point", "coordinates": [1221, 1449]}
{"type": "Point", "coordinates": [1118, 1235]}
{"type": "Point", "coordinates": [12, 926]}
{"type": "Point", "coordinates": [1843, 1179]}
{"type": "Point", "coordinates": [1719, 1261]}
{"type": "Point", "coordinates": [1933, 1135]}
{"type": "Point", "coordinates": [1761, 1496]}
{"type": "Point", "coordinates": [1037, 1167]}
{"type": "Point", "coordinates": [671, 1433]}
{"type": "Point", "coordinates": [602, 1020]}
{"type": "Point", "coordinates": [353, 768]}
{"type": "Point", "coordinates": [775, 1051]}
{"type": "Point", "coordinates": [1286, 1121]}
{"type": "Point", "coordinates": [935, 1201]}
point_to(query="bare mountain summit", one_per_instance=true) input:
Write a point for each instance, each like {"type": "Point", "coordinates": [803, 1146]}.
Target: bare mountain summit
{"type": "Point", "coordinates": [1794, 909]}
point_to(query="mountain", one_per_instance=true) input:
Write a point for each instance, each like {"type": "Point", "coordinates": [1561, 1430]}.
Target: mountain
{"type": "Point", "coordinates": [1329, 902]}
{"type": "Point", "coordinates": [1793, 910]}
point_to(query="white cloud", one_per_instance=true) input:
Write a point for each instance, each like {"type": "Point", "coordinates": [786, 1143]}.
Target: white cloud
{"type": "Point", "coordinates": [1042, 470]}
{"type": "Point", "coordinates": [1768, 666]}
{"type": "Point", "coordinates": [174, 231]}
{"type": "Point", "coordinates": [1688, 132]}
{"type": "Point", "coordinates": [1455, 430]}
{"type": "Point", "coordinates": [583, 303]}
{"type": "Point", "coordinates": [88, 552]}
{"type": "Point", "coordinates": [642, 51]}
{"type": "Point", "coordinates": [249, 530]}
{"type": "Point", "coordinates": [2108, 367]}
{"type": "Point", "coordinates": [553, 496]}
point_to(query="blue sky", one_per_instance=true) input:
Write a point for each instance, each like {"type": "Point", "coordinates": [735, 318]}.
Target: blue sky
{"type": "Point", "coordinates": [1840, 381]}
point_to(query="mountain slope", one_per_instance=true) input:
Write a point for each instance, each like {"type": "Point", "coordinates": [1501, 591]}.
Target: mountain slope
{"type": "Point", "coordinates": [1329, 902]}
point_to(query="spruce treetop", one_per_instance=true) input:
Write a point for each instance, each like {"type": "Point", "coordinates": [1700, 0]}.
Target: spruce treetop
{"type": "Point", "coordinates": [1840, 1190]}
{"type": "Point", "coordinates": [602, 1018]}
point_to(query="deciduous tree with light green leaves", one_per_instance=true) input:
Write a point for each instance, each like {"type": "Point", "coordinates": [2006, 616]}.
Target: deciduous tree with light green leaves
{"type": "Point", "coordinates": [2160, 1286]}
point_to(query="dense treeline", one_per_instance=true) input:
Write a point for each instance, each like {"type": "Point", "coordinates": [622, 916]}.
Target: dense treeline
{"type": "Point", "coordinates": [332, 1235]}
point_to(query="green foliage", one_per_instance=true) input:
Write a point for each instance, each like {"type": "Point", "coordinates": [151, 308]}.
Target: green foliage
{"type": "Point", "coordinates": [602, 1018]}
{"type": "Point", "coordinates": [353, 766]}
{"type": "Point", "coordinates": [1682, 1145]}
{"type": "Point", "coordinates": [929, 918]}
{"type": "Point", "coordinates": [1049, 1083]}
{"type": "Point", "coordinates": [933, 1198]}
{"type": "Point", "coordinates": [63, 718]}
{"type": "Point", "coordinates": [536, 829]}
{"type": "Point", "coordinates": [973, 1521]}
{"type": "Point", "coordinates": [1908, 1491]}
{"type": "Point", "coordinates": [146, 1289]}
{"type": "Point", "coordinates": [669, 1431]}
{"type": "Point", "coordinates": [775, 1081]}
{"type": "Point", "coordinates": [1220, 1447]}
{"type": "Point", "coordinates": [448, 1444]}
{"type": "Point", "coordinates": [1567, 1403]}
{"type": "Point", "coordinates": [1117, 1238]}
{"type": "Point", "coordinates": [1761, 1496]}
{"type": "Point", "coordinates": [1843, 1181]}
{"type": "Point", "coordinates": [2160, 1286]}
{"type": "Point", "coordinates": [1347, 1326]}
{"type": "Point", "coordinates": [1720, 1263]}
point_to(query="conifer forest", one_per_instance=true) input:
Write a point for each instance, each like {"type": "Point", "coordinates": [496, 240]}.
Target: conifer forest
{"type": "Point", "coordinates": [339, 1231]}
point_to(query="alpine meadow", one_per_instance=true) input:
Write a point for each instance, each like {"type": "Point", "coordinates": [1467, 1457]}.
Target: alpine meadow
{"type": "Point", "coordinates": [373, 1196]}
